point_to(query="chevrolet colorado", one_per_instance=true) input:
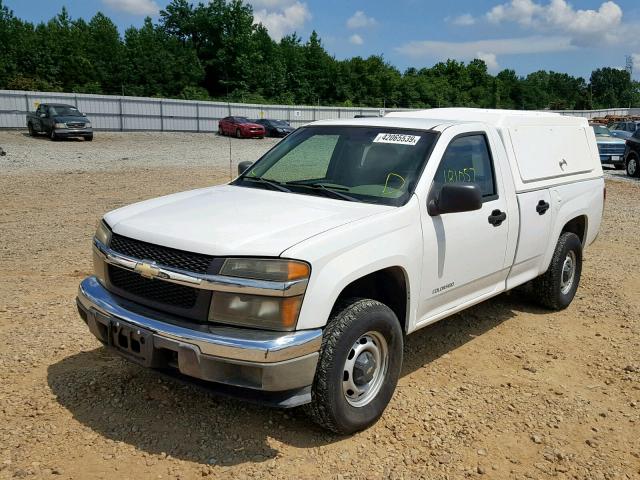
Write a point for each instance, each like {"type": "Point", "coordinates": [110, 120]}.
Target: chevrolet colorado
{"type": "Point", "coordinates": [296, 283]}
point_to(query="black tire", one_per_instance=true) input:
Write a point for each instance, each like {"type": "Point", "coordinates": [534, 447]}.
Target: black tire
{"type": "Point", "coordinates": [548, 288]}
{"type": "Point", "coordinates": [619, 166]}
{"type": "Point", "coordinates": [53, 136]}
{"type": "Point", "coordinates": [238, 133]}
{"type": "Point", "coordinates": [220, 131]}
{"type": "Point", "coordinates": [633, 166]}
{"type": "Point", "coordinates": [32, 132]}
{"type": "Point", "coordinates": [89, 138]}
{"type": "Point", "coordinates": [349, 323]}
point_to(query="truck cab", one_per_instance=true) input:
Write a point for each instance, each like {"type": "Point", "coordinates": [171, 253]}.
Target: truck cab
{"type": "Point", "coordinates": [297, 282]}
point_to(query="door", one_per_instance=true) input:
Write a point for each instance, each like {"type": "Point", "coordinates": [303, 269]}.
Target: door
{"type": "Point", "coordinates": [37, 120]}
{"type": "Point", "coordinates": [464, 253]}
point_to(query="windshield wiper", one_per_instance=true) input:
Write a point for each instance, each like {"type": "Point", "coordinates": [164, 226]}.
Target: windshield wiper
{"type": "Point", "coordinates": [331, 191]}
{"type": "Point", "coordinates": [270, 183]}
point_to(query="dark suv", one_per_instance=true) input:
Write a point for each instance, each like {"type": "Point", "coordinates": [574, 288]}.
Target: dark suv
{"type": "Point", "coordinates": [632, 155]}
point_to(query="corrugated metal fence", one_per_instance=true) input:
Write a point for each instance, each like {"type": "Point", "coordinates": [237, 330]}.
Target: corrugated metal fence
{"type": "Point", "coordinates": [158, 114]}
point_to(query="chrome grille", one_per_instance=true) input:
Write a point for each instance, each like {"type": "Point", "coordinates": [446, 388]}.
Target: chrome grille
{"type": "Point", "coordinates": [611, 148]}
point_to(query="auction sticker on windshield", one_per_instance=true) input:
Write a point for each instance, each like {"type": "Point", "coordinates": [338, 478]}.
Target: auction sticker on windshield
{"type": "Point", "coordinates": [397, 138]}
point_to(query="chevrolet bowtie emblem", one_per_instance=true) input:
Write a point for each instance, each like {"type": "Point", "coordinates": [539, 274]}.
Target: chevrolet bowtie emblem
{"type": "Point", "coordinates": [147, 270]}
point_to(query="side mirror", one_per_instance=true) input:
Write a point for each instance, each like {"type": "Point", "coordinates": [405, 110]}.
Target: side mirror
{"type": "Point", "coordinates": [244, 166]}
{"type": "Point", "coordinates": [84, 114]}
{"type": "Point", "coordinates": [454, 198]}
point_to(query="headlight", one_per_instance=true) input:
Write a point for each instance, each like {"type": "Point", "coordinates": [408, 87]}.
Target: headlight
{"type": "Point", "coordinates": [87, 125]}
{"type": "Point", "coordinates": [59, 125]}
{"type": "Point", "coordinates": [103, 233]}
{"type": "Point", "coordinates": [274, 270]}
{"type": "Point", "coordinates": [258, 311]}
{"type": "Point", "coordinates": [268, 313]}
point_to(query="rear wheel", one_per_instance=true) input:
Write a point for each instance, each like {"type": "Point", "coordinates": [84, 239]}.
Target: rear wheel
{"type": "Point", "coordinates": [359, 366]}
{"type": "Point", "coordinates": [633, 169]}
{"type": "Point", "coordinates": [220, 130]}
{"type": "Point", "coordinates": [32, 132]}
{"type": "Point", "coordinates": [557, 287]}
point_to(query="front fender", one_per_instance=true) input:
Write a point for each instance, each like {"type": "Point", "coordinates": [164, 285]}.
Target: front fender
{"type": "Point", "coordinates": [345, 254]}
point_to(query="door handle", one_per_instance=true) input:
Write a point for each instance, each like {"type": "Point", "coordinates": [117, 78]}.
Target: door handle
{"type": "Point", "coordinates": [497, 217]}
{"type": "Point", "coordinates": [542, 207]}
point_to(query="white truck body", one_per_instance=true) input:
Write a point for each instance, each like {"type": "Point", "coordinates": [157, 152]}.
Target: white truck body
{"type": "Point", "coordinates": [547, 180]}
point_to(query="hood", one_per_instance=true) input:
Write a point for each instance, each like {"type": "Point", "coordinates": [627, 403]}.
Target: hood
{"type": "Point", "coordinates": [230, 220]}
{"type": "Point", "coordinates": [71, 119]}
{"type": "Point", "coordinates": [609, 140]}
{"type": "Point", "coordinates": [251, 125]}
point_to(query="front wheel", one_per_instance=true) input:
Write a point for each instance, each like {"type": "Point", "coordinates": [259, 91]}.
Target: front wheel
{"type": "Point", "coordinates": [89, 138]}
{"type": "Point", "coordinates": [52, 135]}
{"type": "Point", "coordinates": [359, 366]}
{"type": "Point", "coordinates": [556, 288]}
{"type": "Point", "coordinates": [632, 166]}
{"type": "Point", "coordinates": [238, 133]}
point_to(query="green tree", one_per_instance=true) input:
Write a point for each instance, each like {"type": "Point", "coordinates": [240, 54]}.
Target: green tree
{"type": "Point", "coordinates": [158, 64]}
{"type": "Point", "coordinates": [611, 88]}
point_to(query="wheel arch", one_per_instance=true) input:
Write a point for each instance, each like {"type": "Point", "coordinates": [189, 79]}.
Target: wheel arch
{"type": "Point", "coordinates": [577, 225]}
{"type": "Point", "coordinates": [389, 286]}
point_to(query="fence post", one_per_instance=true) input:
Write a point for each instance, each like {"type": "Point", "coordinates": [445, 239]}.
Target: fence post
{"type": "Point", "coordinates": [198, 116]}
{"type": "Point", "coordinates": [161, 117]}
{"type": "Point", "coordinates": [120, 114]}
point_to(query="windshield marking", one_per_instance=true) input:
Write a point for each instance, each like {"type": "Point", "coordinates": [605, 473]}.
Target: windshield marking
{"type": "Point", "coordinates": [397, 138]}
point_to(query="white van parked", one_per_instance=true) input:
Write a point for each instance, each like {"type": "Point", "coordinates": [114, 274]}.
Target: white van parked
{"type": "Point", "coordinates": [297, 282]}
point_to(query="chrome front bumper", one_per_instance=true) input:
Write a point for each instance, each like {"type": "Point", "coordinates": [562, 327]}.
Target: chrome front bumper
{"type": "Point", "coordinates": [254, 359]}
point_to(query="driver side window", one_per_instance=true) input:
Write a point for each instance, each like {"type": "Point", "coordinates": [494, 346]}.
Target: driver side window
{"type": "Point", "coordinates": [468, 160]}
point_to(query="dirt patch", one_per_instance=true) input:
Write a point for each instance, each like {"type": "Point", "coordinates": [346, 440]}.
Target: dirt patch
{"type": "Point", "coordinates": [503, 390]}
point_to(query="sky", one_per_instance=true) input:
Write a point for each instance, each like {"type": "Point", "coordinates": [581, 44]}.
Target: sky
{"type": "Point", "coordinates": [524, 35]}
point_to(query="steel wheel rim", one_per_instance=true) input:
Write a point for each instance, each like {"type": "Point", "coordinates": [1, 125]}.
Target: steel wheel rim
{"type": "Point", "coordinates": [568, 272]}
{"type": "Point", "coordinates": [370, 346]}
{"type": "Point", "coordinates": [633, 166]}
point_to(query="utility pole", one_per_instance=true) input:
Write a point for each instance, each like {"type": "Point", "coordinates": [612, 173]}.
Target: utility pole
{"type": "Point", "coordinates": [629, 65]}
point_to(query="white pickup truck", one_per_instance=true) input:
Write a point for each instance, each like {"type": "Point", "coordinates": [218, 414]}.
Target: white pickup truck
{"type": "Point", "coordinates": [296, 283]}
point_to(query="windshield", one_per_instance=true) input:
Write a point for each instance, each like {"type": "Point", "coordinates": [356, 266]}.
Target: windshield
{"type": "Point", "coordinates": [369, 164]}
{"type": "Point", "coordinates": [601, 131]}
{"type": "Point", "coordinates": [279, 123]}
{"type": "Point", "coordinates": [64, 110]}
{"type": "Point", "coordinates": [242, 120]}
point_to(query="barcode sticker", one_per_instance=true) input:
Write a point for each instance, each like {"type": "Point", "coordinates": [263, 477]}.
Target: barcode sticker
{"type": "Point", "coordinates": [397, 138]}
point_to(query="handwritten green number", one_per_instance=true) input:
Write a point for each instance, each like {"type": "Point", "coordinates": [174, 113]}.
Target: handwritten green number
{"type": "Point", "coordinates": [465, 175]}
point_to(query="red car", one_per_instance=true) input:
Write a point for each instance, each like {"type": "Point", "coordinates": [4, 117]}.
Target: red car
{"type": "Point", "coordinates": [241, 127]}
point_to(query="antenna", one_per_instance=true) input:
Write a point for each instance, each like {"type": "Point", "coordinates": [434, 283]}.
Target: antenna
{"type": "Point", "coordinates": [230, 161]}
{"type": "Point", "coordinates": [629, 65]}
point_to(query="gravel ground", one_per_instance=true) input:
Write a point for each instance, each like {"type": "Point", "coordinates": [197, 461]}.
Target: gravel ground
{"type": "Point", "coordinates": [503, 390]}
{"type": "Point", "coordinates": [116, 150]}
